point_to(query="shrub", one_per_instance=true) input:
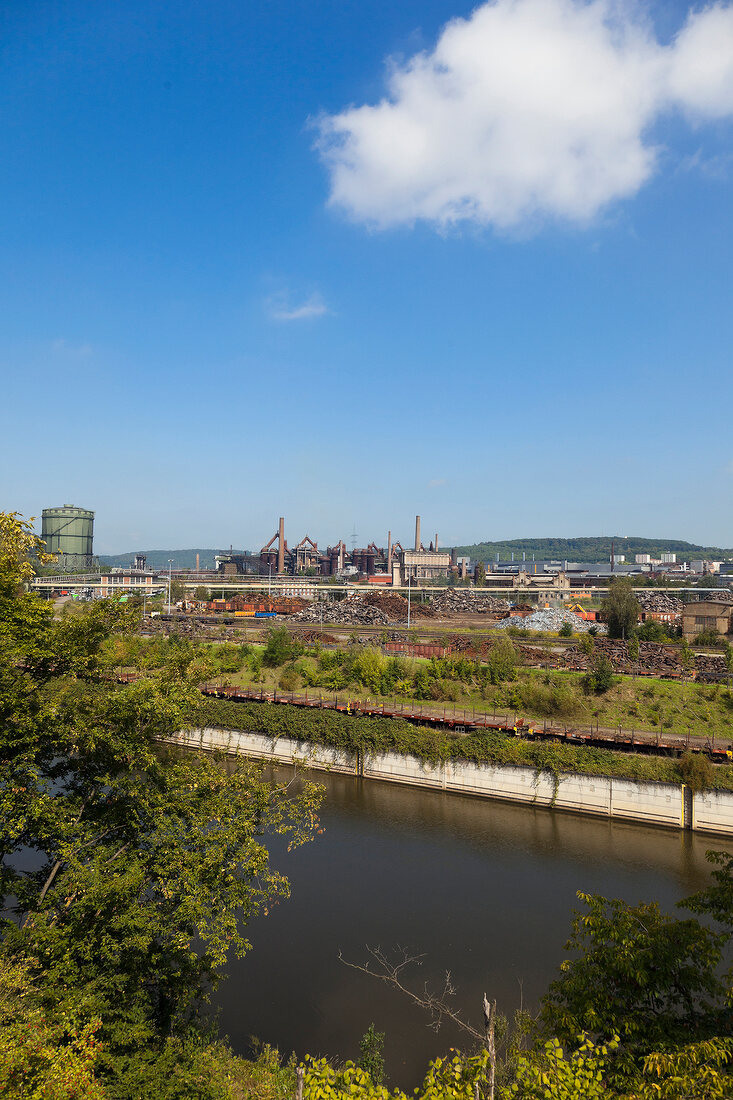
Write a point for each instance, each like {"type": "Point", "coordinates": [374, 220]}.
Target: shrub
{"type": "Point", "coordinates": [371, 1054]}
{"type": "Point", "coordinates": [556, 699]}
{"type": "Point", "coordinates": [566, 630]}
{"type": "Point", "coordinates": [599, 677]}
{"type": "Point", "coordinates": [369, 668]}
{"type": "Point", "coordinates": [289, 679]}
{"type": "Point", "coordinates": [653, 631]}
{"type": "Point", "coordinates": [707, 637]}
{"type": "Point", "coordinates": [502, 661]}
{"type": "Point", "coordinates": [696, 771]}
{"type": "Point", "coordinates": [279, 648]}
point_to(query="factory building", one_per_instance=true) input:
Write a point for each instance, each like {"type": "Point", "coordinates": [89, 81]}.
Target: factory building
{"type": "Point", "coordinates": [393, 563]}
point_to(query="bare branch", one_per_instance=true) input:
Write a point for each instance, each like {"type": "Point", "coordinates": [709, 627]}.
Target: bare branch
{"type": "Point", "coordinates": [435, 1004]}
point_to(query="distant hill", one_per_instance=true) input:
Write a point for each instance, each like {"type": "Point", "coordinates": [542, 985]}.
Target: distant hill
{"type": "Point", "coordinates": [158, 559]}
{"type": "Point", "coordinates": [588, 549]}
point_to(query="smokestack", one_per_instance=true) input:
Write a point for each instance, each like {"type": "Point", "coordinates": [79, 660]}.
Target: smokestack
{"type": "Point", "coordinates": [417, 532]}
{"type": "Point", "coordinates": [436, 542]}
{"type": "Point", "coordinates": [281, 546]}
{"type": "Point", "coordinates": [389, 551]}
{"type": "Point", "coordinates": [197, 563]}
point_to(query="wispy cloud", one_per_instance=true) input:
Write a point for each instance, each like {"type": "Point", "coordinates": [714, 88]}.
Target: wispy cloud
{"type": "Point", "coordinates": [280, 308]}
{"type": "Point", "coordinates": [436, 482]}
{"type": "Point", "coordinates": [61, 346]}
{"type": "Point", "coordinates": [526, 110]}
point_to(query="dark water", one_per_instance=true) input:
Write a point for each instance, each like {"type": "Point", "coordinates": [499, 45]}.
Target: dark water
{"type": "Point", "coordinates": [479, 888]}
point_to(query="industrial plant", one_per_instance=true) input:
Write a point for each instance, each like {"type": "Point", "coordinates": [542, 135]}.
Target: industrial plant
{"type": "Point", "coordinates": [390, 564]}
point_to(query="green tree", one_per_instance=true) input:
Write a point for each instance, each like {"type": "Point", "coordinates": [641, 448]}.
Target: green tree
{"type": "Point", "coordinates": [127, 873]}
{"type": "Point", "coordinates": [639, 974]}
{"type": "Point", "coordinates": [502, 661]}
{"type": "Point", "coordinates": [371, 1054]}
{"type": "Point", "coordinates": [479, 574]}
{"type": "Point", "coordinates": [599, 677]}
{"type": "Point", "coordinates": [201, 593]}
{"type": "Point", "coordinates": [620, 608]}
{"type": "Point", "coordinates": [279, 648]}
{"type": "Point", "coordinates": [566, 630]}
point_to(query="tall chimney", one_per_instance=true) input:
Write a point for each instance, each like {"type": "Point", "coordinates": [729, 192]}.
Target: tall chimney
{"type": "Point", "coordinates": [197, 563]}
{"type": "Point", "coordinates": [281, 546]}
{"type": "Point", "coordinates": [417, 532]}
{"type": "Point", "coordinates": [436, 542]}
{"type": "Point", "coordinates": [389, 552]}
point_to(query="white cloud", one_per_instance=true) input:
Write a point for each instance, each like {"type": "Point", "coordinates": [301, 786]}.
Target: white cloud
{"type": "Point", "coordinates": [526, 110]}
{"type": "Point", "coordinates": [282, 310]}
{"type": "Point", "coordinates": [60, 346]}
{"type": "Point", "coordinates": [436, 482]}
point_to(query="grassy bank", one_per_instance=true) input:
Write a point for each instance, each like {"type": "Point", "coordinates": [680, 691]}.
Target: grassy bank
{"type": "Point", "coordinates": [370, 735]}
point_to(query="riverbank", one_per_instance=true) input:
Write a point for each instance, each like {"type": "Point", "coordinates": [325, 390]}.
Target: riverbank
{"type": "Point", "coordinates": [369, 734]}
{"type": "Point", "coordinates": [543, 782]}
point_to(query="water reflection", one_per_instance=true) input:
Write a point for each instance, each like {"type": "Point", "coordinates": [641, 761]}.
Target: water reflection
{"type": "Point", "coordinates": [480, 888]}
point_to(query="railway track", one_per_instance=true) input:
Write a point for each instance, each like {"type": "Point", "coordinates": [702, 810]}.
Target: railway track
{"type": "Point", "coordinates": [463, 722]}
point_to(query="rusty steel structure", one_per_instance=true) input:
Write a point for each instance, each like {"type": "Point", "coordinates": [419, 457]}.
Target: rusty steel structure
{"type": "Point", "coordinates": [277, 558]}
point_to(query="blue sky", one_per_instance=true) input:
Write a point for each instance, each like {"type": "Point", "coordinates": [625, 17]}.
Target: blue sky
{"type": "Point", "coordinates": [350, 262]}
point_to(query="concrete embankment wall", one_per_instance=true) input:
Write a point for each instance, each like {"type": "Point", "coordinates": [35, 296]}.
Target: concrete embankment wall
{"type": "Point", "coordinates": [666, 804]}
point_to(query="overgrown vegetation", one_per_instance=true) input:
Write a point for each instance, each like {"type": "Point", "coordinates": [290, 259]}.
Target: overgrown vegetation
{"type": "Point", "coordinates": [365, 735]}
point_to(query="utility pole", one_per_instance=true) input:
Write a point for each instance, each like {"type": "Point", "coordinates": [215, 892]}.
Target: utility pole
{"type": "Point", "coordinates": [409, 578]}
{"type": "Point", "coordinates": [170, 563]}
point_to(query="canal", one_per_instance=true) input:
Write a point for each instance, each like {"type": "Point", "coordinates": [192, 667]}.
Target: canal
{"type": "Point", "coordinates": [478, 888]}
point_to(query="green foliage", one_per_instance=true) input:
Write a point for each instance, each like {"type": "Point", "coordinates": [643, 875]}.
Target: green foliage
{"type": "Point", "coordinates": [697, 771]}
{"type": "Point", "coordinates": [566, 630]}
{"type": "Point", "coordinates": [620, 608]}
{"type": "Point", "coordinates": [450, 1078]}
{"type": "Point", "coordinates": [368, 735]}
{"type": "Point", "coordinates": [599, 677]}
{"type": "Point", "coordinates": [585, 643]}
{"type": "Point", "coordinates": [707, 637]}
{"type": "Point", "coordinates": [636, 973]}
{"type": "Point", "coordinates": [698, 1071]}
{"type": "Point", "coordinates": [502, 661]}
{"type": "Point", "coordinates": [552, 699]}
{"type": "Point", "coordinates": [368, 668]}
{"type": "Point", "coordinates": [289, 679]}
{"type": "Point", "coordinates": [281, 647]}
{"type": "Point", "coordinates": [479, 574]}
{"type": "Point", "coordinates": [652, 631]}
{"type": "Point", "coordinates": [371, 1054]}
{"type": "Point", "coordinates": [44, 1053]}
{"type": "Point", "coordinates": [130, 857]}
{"type": "Point", "coordinates": [550, 1074]}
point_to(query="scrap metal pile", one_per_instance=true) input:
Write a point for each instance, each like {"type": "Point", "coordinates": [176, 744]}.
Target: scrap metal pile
{"type": "Point", "coordinates": [549, 619]}
{"type": "Point", "coordinates": [372, 609]}
{"type": "Point", "coordinates": [654, 660]}
{"type": "Point", "coordinates": [661, 602]}
{"type": "Point", "coordinates": [466, 601]}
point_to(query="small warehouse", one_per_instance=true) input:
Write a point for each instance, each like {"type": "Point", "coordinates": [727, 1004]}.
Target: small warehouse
{"type": "Point", "coordinates": [705, 615]}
